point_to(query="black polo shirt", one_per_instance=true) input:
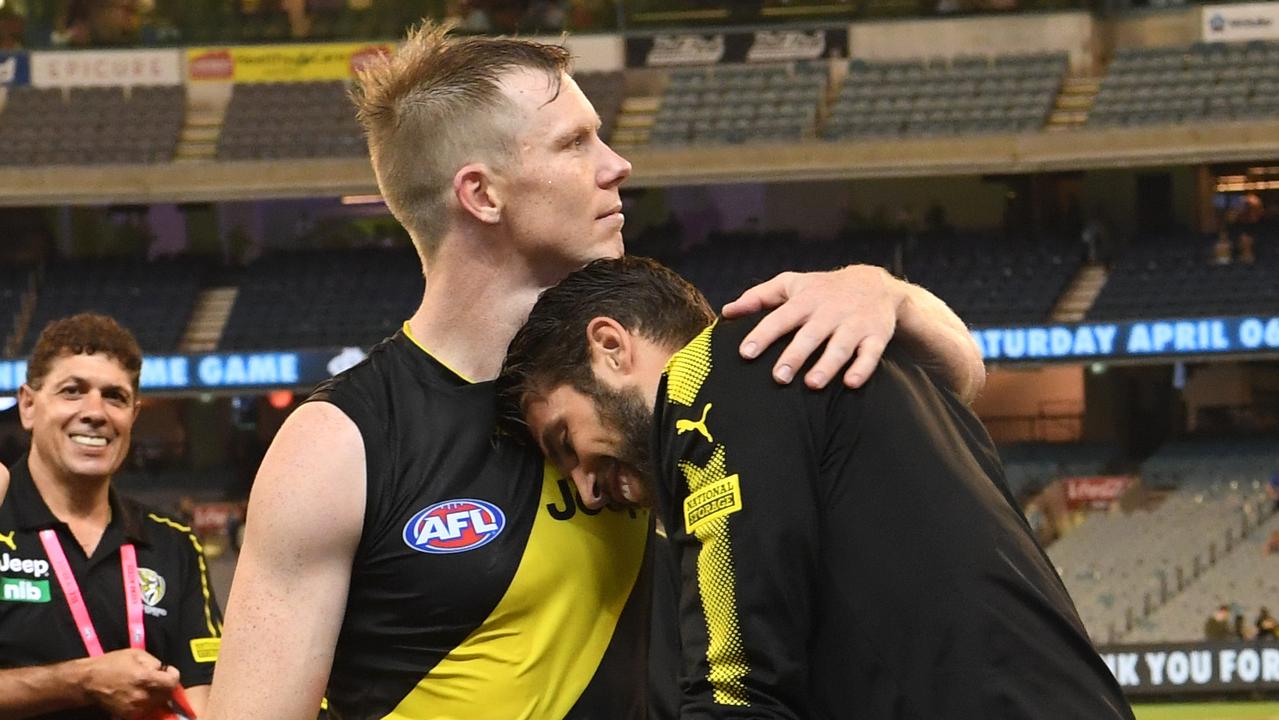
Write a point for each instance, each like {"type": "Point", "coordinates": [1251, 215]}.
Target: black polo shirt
{"type": "Point", "coordinates": [181, 617]}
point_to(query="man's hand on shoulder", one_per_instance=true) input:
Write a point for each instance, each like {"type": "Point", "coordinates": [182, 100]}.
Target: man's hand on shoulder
{"type": "Point", "coordinates": [856, 311]}
{"type": "Point", "coordinates": [853, 310]}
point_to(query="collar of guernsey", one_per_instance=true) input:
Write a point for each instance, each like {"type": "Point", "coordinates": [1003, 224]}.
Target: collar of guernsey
{"type": "Point", "coordinates": [569, 590]}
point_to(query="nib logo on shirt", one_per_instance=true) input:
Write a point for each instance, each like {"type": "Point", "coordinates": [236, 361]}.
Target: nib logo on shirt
{"type": "Point", "coordinates": [24, 590]}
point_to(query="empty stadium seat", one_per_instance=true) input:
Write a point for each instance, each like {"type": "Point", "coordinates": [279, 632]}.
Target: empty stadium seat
{"type": "Point", "coordinates": [324, 299]}
{"type": "Point", "coordinates": [290, 120]}
{"type": "Point", "coordinates": [967, 95]}
{"type": "Point", "coordinates": [152, 299]}
{"type": "Point", "coordinates": [91, 126]}
{"type": "Point", "coordinates": [740, 103]}
{"type": "Point", "coordinates": [1198, 83]}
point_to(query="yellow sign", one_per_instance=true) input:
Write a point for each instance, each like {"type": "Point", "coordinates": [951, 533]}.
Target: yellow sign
{"type": "Point", "coordinates": [205, 649]}
{"type": "Point", "coordinates": [281, 63]}
{"type": "Point", "coordinates": [714, 501]}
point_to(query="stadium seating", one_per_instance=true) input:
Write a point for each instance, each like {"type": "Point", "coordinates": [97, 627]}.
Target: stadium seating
{"type": "Point", "coordinates": [1151, 279]}
{"type": "Point", "coordinates": [966, 95]}
{"type": "Point", "coordinates": [1246, 578]}
{"type": "Point", "coordinates": [1121, 568]}
{"type": "Point", "coordinates": [91, 126]}
{"type": "Point", "coordinates": [290, 120]}
{"type": "Point", "coordinates": [728, 263]}
{"type": "Point", "coordinates": [988, 281]}
{"type": "Point", "coordinates": [153, 299]}
{"type": "Point", "coordinates": [740, 103]}
{"type": "Point", "coordinates": [323, 299]}
{"type": "Point", "coordinates": [1197, 462]}
{"type": "Point", "coordinates": [1203, 82]}
{"type": "Point", "coordinates": [1029, 467]}
{"type": "Point", "coordinates": [606, 91]}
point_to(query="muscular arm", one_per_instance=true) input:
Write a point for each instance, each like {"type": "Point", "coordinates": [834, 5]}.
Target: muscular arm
{"type": "Point", "coordinates": [291, 583]}
{"type": "Point", "coordinates": [855, 311]}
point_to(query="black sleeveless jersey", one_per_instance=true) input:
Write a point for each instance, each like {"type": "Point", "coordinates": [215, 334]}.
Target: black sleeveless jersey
{"type": "Point", "coordinates": [481, 586]}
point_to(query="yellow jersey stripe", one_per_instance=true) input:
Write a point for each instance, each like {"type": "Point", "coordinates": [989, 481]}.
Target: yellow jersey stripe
{"type": "Point", "coordinates": [408, 333]}
{"type": "Point", "coordinates": [686, 371]}
{"type": "Point", "coordinates": [688, 368]}
{"type": "Point", "coordinates": [215, 629]}
{"type": "Point", "coordinates": [716, 584]}
{"type": "Point", "coordinates": [539, 649]}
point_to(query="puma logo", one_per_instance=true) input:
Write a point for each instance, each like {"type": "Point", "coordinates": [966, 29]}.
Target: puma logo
{"type": "Point", "coordinates": [13, 545]}
{"type": "Point", "coordinates": [683, 426]}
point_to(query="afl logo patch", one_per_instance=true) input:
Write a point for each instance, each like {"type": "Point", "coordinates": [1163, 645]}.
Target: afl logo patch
{"type": "Point", "coordinates": [454, 526]}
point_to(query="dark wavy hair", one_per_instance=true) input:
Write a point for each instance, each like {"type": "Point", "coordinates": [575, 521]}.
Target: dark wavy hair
{"type": "Point", "coordinates": [551, 348]}
{"type": "Point", "coordinates": [84, 334]}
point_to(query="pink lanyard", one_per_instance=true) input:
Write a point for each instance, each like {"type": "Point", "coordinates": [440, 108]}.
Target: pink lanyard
{"type": "Point", "coordinates": [75, 600]}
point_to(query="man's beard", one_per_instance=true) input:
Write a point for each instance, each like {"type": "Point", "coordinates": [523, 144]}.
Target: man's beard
{"type": "Point", "coordinates": [626, 412]}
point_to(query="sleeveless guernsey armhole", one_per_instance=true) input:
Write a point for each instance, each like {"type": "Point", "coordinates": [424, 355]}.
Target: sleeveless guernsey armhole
{"type": "Point", "coordinates": [408, 333]}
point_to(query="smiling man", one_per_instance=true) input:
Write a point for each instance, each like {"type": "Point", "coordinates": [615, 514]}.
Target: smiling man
{"type": "Point", "coordinates": [843, 553]}
{"type": "Point", "coordinates": [105, 606]}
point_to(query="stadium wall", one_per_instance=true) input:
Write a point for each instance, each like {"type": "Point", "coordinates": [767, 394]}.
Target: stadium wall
{"type": "Point", "coordinates": [1069, 32]}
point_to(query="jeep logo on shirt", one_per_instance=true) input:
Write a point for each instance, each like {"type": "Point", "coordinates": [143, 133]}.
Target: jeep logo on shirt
{"type": "Point", "coordinates": [15, 564]}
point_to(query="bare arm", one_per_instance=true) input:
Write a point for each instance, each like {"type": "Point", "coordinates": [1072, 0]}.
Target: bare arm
{"type": "Point", "coordinates": [855, 312]}
{"type": "Point", "coordinates": [939, 340]}
{"type": "Point", "coordinates": [125, 683]}
{"type": "Point", "coordinates": [198, 696]}
{"type": "Point", "coordinates": [291, 582]}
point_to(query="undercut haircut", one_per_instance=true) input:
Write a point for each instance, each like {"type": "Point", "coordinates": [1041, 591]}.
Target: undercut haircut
{"type": "Point", "coordinates": [436, 105]}
{"type": "Point", "coordinates": [551, 349]}
{"type": "Point", "coordinates": [84, 334]}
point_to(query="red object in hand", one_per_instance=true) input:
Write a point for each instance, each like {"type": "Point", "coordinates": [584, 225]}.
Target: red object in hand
{"type": "Point", "coordinates": [178, 708]}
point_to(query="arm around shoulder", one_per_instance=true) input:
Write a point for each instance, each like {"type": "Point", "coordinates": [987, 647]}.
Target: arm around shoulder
{"type": "Point", "coordinates": [940, 341]}
{"type": "Point", "coordinates": [287, 601]}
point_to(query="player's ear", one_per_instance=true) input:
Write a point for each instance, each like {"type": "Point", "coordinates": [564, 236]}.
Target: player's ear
{"type": "Point", "coordinates": [479, 192]}
{"type": "Point", "coordinates": [612, 348]}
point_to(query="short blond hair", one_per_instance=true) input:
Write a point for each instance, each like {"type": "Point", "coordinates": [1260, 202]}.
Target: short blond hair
{"type": "Point", "coordinates": [436, 105]}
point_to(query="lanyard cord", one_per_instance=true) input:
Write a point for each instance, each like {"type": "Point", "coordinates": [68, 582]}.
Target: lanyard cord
{"type": "Point", "coordinates": [75, 599]}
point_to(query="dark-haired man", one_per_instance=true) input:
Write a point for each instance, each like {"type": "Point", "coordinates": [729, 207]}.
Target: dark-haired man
{"type": "Point", "coordinates": [844, 553]}
{"type": "Point", "coordinates": [104, 606]}
{"type": "Point", "coordinates": [400, 560]}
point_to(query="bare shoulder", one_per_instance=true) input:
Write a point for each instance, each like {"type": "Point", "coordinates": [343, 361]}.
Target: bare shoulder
{"type": "Point", "coordinates": [4, 482]}
{"type": "Point", "coordinates": [314, 469]}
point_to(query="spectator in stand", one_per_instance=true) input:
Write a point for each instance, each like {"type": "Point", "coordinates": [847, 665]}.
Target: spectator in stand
{"type": "Point", "coordinates": [1251, 211]}
{"type": "Point", "coordinates": [1217, 628]}
{"type": "Point", "coordinates": [1267, 627]}
{"type": "Point", "coordinates": [92, 23]}
{"type": "Point", "coordinates": [1272, 489]}
{"type": "Point", "coordinates": [12, 27]}
{"type": "Point", "coordinates": [544, 15]}
{"type": "Point", "coordinates": [1241, 630]}
{"type": "Point", "coordinates": [1272, 545]}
